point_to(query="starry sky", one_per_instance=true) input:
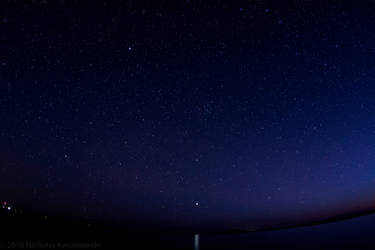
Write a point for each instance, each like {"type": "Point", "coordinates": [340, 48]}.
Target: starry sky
{"type": "Point", "coordinates": [188, 113]}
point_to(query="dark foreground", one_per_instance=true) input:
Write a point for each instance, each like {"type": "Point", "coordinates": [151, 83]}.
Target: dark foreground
{"type": "Point", "coordinates": [27, 231]}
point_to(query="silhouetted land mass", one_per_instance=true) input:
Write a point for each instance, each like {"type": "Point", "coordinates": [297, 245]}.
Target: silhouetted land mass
{"type": "Point", "coordinates": [332, 219]}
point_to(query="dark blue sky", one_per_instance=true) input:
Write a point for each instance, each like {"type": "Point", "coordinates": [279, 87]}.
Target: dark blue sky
{"type": "Point", "coordinates": [188, 113]}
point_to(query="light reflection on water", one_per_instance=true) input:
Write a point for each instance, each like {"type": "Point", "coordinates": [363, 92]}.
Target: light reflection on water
{"type": "Point", "coordinates": [196, 242]}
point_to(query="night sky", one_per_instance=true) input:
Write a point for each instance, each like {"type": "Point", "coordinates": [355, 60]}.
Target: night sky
{"type": "Point", "coordinates": [188, 114]}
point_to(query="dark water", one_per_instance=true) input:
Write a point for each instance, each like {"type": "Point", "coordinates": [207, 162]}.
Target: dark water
{"type": "Point", "coordinates": [356, 233]}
